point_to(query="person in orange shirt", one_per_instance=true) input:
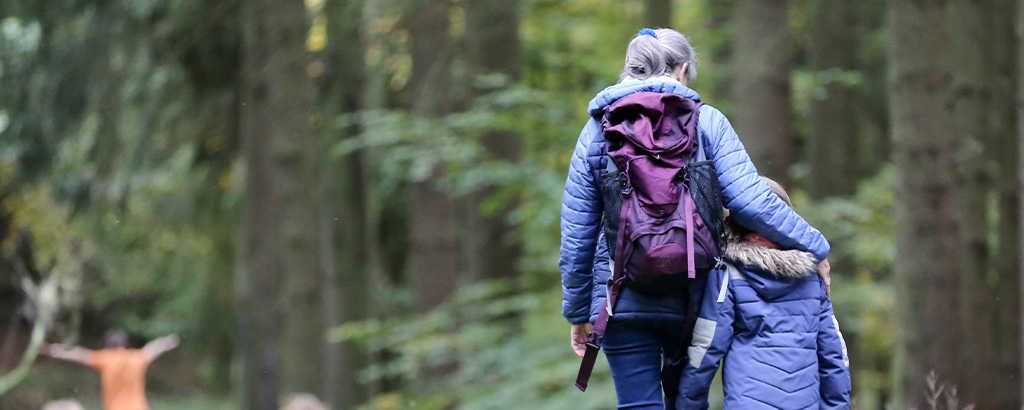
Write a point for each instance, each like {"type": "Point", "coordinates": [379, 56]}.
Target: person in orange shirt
{"type": "Point", "coordinates": [122, 370]}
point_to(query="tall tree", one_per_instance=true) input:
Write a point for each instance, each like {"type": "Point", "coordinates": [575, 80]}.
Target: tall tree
{"type": "Point", "coordinates": [762, 61]}
{"type": "Point", "coordinates": [344, 200]}
{"type": "Point", "coordinates": [985, 171]}
{"type": "Point", "coordinates": [434, 248]}
{"type": "Point", "coordinates": [971, 36]}
{"type": "Point", "coordinates": [1005, 148]}
{"type": "Point", "coordinates": [982, 130]}
{"type": "Point", "coordinates": [1018, 319]}
{"type": "Point", "coordinates": [928, 273]}
{"type": "Point", "coordinates": [834, 134]}
{"type": "Point", "coordinates": [282, 333]}
{"type": "Point", "coordinates": [659, 13]}
{"type": "Point", "coordinates": [494, 48]}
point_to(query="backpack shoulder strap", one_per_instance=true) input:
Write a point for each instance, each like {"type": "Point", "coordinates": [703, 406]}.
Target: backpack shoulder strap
{"type": "Point", "coordinates": [701, 155]}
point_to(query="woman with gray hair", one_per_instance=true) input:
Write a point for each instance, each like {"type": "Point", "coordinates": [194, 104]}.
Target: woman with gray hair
{"type": "Point", "coordinates": [647, 329]}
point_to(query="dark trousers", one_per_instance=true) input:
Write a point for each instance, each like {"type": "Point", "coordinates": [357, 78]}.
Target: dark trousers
{"type": "Point", "coordinates": [634, 350]}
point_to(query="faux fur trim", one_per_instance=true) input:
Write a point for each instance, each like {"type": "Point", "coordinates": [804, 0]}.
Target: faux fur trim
{"type": "Point", "coordinates": [781, 262]}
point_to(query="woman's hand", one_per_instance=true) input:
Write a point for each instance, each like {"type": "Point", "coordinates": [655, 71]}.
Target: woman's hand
{"type": "Point", "coordinates": [578, 337]}
{"type": "Point", "coordinates": [824, 270]}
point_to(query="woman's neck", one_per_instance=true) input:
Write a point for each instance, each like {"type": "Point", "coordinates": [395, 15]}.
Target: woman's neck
{"type": "Point", "coordinates": [663, 77]}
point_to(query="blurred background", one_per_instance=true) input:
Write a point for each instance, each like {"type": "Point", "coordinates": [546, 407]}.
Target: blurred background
{"type": "Point", "coordinates": [359, 199]}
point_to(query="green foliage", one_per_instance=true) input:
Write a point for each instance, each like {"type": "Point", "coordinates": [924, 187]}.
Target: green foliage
{"type": "Point", "coordinates": [497, 362]}
{"type": "Point", "coordinates": [861, 230]}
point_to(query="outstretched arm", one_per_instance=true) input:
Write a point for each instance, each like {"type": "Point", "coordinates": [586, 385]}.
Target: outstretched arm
{"type": "Point", "coordinates": [750, 201]}
{"type": "Point", "coordinates": [159, 346]}
{"type": "Point", "coordinates": [73, 354]}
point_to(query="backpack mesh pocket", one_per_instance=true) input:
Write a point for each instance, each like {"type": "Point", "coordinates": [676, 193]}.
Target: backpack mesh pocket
{"type": "Point", "coordinates": [707, 196]}
{"type": "Point", "coordinates": [612, 185]}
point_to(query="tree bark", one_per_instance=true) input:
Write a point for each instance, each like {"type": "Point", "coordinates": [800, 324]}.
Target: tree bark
{"type": "Point", "coordinates": [834, 135]}
{"type": "Point", "coordinates": [986, 52]}
{"type": "Point", "coordinates": [659, 14]}
{"type": "Point", "coordinates": [345, 201]}
{"type": "Point", "coordinates": [983, 48]}
{"type": "Point", "coordinates": [928, 273]}
{"type": "Point", "coordinates": [1018, 319]}
{"type": "Point", "coordinates": [762, 62]}
{"type": "Point", "coordinates": [969, 35]}
{"type": "Point", "coordinates": [1005, 146]}
{"type": "Point", "coordinates": [280, 266]}
{"type": "Point", "coordinates": [434, 248]}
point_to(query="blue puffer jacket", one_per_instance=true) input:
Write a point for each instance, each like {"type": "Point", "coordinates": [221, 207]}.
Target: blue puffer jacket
{"type": "Point", "coordinates": [584, 260]}
{"type": "Point", "coordinates": [768, 316]}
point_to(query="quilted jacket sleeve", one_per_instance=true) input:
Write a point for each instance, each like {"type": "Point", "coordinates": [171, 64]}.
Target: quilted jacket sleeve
{"type": "Point", "coordinates": [749, 199]}
{"type": "Point", "coordinates": [833, 362]}
{"type": "Point", "coordinates": [602, 271]}
{"type": "Point", "coordinates": [581, 217]}
{"type": "Point", "coordinates": [712, 335]}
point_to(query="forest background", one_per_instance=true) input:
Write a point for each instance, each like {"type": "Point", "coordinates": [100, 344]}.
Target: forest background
{"type": "Point", "coordinates": [360, 198]}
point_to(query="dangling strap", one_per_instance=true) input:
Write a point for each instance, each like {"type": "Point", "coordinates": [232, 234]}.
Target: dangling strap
{"type": "Point", "coordinates": [595, 337]}
{"type": "Point", "coordinates": [691, 270]}
{"type": "Point", "coordinates": [672, 365]}
{"type": "Point", "coordinates": [614, 286]}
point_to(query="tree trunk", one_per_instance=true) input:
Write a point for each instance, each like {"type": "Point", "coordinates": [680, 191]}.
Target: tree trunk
{"type": "Point", "coordinates": [434, 249]}
{"type": "Point", "coordinates": [969, 35]}
{"type": "Point", "coordinates": [659, 14]}
{"type": "Point", "coordinates": [1005, 148]}
{"type": "Point", "coordinates": [259, 320]}
{"type": "Point", "coordinates": [983, 47]}
{"type": "Point", "coordinates": [494, 48]}
{"type": "Point", "coordinates": [345, 201]}
{"type": "Point", "coordinates": [1018, 318]}
{"type": "Point", "coordinates": [834, 134]}
{"type": "Point", "coordinates": [928, 274]}
{"type": "Point", "coordinates": [762, 62]}
{"type": "Point", "coordinates": [280, 267]}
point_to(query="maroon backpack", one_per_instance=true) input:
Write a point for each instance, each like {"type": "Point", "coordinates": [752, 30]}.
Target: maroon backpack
{"type": "Point", "coordinates": [661, 239]}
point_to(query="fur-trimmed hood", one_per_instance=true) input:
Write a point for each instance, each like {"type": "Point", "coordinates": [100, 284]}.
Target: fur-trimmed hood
{"type": "Point", "coordinates": [780, 262]}
{"type": "Point", "coordinates": [771, 272]}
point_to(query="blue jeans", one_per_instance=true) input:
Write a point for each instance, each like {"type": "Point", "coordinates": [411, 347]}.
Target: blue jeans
{"type": "Point", "coordinates": [634, 349]}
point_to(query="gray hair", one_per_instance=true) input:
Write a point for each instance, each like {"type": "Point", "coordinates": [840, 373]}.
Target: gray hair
{"type": "Point", "coordinates": [648, 56]}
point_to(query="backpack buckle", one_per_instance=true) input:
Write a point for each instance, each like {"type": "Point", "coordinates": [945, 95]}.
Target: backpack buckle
{"type": "Point", "coordinates": [627, 190]}
{"type": "Point", "coordinates": [594, 340]}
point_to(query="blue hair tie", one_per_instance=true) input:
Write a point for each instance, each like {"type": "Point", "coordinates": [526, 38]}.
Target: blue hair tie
{"type": "Point", "coordinates": [648, 32]}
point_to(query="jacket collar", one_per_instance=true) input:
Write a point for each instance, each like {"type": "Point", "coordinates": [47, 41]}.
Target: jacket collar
{"type": "Point", "coordinates": [629, 85]}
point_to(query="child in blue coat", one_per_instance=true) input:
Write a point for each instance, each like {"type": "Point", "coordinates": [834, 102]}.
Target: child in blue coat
{"type": "Point", "coordinates": [766, 314]}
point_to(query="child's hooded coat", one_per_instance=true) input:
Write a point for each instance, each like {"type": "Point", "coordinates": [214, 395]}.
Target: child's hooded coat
{"type": "Point", "coordinates": [767, 314]}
